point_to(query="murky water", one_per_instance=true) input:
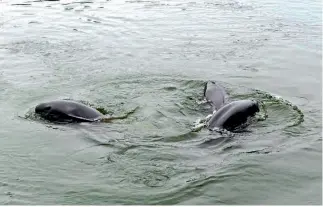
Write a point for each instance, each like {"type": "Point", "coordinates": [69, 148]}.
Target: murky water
{"type": "Point", "coordinates": [156, 55]}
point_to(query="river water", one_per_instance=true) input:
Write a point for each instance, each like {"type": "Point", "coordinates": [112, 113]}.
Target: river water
{"type": "Point", "coordinates": [156, 55]}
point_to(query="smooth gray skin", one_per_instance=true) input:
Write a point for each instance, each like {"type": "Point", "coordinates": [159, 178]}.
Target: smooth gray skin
{"type": "Point", "coordinates": [215, 95]}
{"type": "Point", "coordinates": [67, 111]}
{"type": "Point", "coordinates": [233, 115]}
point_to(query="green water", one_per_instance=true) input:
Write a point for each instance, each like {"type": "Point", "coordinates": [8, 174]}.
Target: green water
{"type": "Point", "coordinates": [156, 55]}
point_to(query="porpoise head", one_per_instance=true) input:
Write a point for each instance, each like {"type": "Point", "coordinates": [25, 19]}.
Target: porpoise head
{"type": "Point", "coordinates": [242, 120]}
{"type": "Point", "coordinates": [51, 112]}
{"type": "Point", "coordinates": [43, 109]}
{"type": "Point", "coordinates": [253, 107]}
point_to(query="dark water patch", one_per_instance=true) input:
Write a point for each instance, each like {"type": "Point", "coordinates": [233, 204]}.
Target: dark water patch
{"type": "Point", "coordinates": [68, 8]}
{"type": "Point", "coordinates": [90, 20]}
{"type": "Point", "coordinates": [103, 110]}
{"type": "Point", "coordinates": [216, 141]}
{"type": "Point", "coordinates": [21, 4]}
{"type": "Point", "coordinates": [205, 180]}
{"type": "Point", "coordinates": [34, 22]}
{"type": "Point", "coordinates": [83, 2]}
{"type": "Point", "coordinates": [151, 178]}
{"type": "Point", "coordinates": [262, 151]}
{"type": "Point", "coordinates": [99, 142]}
{"type": "Point", "coordinates": [231, 5]}
{"type": "Point", "coordinates": [249, 68]}
{"type": "Point", "coordinates": [232, 147]}
{"type": "Point", "coordinates": [177, 138]}
{"type": "Point", "coordinates": [170, 88]}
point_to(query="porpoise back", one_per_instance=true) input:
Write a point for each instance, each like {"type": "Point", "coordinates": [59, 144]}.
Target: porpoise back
{"type": "Point", "coordinates": [67, 111]}
{"type": "Point", "coordinates": [233, 115]}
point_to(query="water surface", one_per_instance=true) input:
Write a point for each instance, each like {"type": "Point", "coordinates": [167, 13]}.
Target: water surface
{"type": "Point", "coordinates": [156, 55]}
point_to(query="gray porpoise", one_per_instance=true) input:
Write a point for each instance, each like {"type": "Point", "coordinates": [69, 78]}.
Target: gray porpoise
{"type": "Point", "coordinates": [215, 95]}
{"type": "Point", "coordinates": [233, 115]}
{"type": "Point", "coordinates": [67, 111]}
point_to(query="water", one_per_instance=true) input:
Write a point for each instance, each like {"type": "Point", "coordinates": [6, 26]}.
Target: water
{"type": "Point", "coordinates": [156, 55]}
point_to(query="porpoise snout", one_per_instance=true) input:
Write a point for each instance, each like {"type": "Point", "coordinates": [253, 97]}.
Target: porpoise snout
{"type": "Point", "coordinates": [255, 106]}
{"type": "Point", "coordinates": [42, 108]}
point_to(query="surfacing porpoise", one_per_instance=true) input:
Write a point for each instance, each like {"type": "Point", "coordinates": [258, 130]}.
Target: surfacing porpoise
{"type": "Point", "coordinates": [233, 115]}
{"type": "Point", "coordinates": [68, 111]}
{"type": "Point", "coordinates": [228, 116]}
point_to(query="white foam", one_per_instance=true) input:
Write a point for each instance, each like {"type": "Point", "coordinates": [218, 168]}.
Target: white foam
{"type": "Point", "coordinates": [202, 101]}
